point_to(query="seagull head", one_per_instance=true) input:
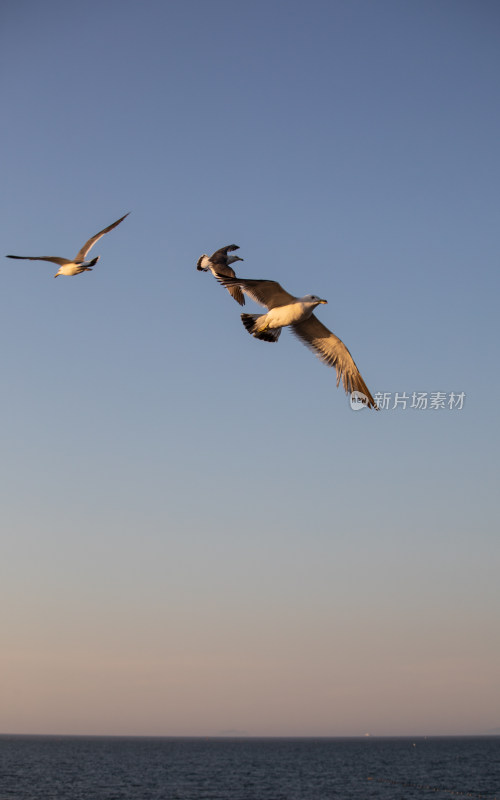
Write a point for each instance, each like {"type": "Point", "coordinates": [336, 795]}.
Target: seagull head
{"type": "Point", "coordinates": [313, 300]}
{"type": "Point", "coordinates": [199, 262]}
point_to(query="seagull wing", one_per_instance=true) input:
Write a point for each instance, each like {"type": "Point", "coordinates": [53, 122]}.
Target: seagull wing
{"type": "Point", "coordinates": [267, 293]}
{"type": "Point", "coordinates": [237, 294]}
{"type": "Point", "coordinates": [333, 352]}
{"type": "Point", "coordinates": [220, 256]}
{"type": "Point", "coordinates": [55, 259]}
{"type": "Point", "coordinates": [234, 291]}
{"type": "Point", "coordinates": [80, 256]}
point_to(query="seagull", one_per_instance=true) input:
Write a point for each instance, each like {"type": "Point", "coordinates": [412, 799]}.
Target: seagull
{"type": "Point", "coordinates": [67, 267]}
{"type": "Point", "coordinates": [218, 264]}
{"type": "Point", "coordinates": [297, 312]}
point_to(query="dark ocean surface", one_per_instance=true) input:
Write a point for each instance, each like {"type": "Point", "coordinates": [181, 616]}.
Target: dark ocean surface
{"type": "Point", "coordinates": [115, 768]}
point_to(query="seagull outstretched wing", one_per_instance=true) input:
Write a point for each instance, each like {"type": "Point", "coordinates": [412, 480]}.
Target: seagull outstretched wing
{"type": "Point", "coordinates": [267, 293]}
{"type": "Point", "coordinates": [80, 256]}
{"type": "Point", "coordinates": [55, 259]}
{"type": "Point", "coordinates": [333, 352]}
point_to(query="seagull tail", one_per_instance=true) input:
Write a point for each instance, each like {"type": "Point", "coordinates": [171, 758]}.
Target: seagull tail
{"type": "Point", "coordinates": [251, 323]}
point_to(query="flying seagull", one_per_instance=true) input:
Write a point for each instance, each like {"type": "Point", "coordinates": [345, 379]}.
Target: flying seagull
{"type": "Point", "coordinates": [297, 312]}
{"type": "Point", "coordinates": [218, 264]}
{"type": "Point", "coordinates": [78, 264]}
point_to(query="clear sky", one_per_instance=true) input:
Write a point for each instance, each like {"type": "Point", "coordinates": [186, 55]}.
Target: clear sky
{"type": "Point", "coordinates": [199, 534]}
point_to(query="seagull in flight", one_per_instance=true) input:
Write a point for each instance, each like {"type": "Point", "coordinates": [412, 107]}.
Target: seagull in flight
{"type": "Point", "coordinates": [297, 312]}
{"type": "Point", "coordinates": [218, 264]}
{"type": "Point", "coordinates": [78, 264]}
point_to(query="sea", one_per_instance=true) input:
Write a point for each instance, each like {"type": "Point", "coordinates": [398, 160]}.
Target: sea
{"type": "Point", "coordinates": [129, 768]}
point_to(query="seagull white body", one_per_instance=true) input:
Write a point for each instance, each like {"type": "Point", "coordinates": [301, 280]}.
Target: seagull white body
{"type": "Point", "coordinates": [297, 312]}
{"type": "Point", "coordinates": [218, 264]}
{"type": "Point", "coordinates": [78, 264]}
{"type": "Point", "coordinates": [281, 316]}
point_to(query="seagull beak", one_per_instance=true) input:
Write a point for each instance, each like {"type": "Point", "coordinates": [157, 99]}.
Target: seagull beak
{"type": "Point", "coordinates": [323, 302]}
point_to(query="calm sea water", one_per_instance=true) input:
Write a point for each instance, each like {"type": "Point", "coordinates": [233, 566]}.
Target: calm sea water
{"type": "Point", "coordinates": [112, 768]}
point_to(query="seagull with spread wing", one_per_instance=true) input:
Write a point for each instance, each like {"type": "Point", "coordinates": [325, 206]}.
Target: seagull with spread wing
{"type": "Point", "coordinates": [218, 264]}
{"type": "Point", "coordinates": [297, 312]}
{"type": "Point", "coordinates": [78, 264]}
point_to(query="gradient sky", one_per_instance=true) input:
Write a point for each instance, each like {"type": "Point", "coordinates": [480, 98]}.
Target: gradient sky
{"type": "Point", "coordinates": [199, 534]}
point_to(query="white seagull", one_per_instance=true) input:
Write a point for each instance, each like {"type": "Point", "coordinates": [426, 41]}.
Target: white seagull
{"type": "Point", "coordinates": [218, 264]}
{"type": "Point", "coordinates": [78, 264]}
{"type": "Point", "coordinates": [297, 312]}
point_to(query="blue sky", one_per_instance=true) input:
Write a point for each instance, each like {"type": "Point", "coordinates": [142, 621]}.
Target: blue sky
{"type": "Point", "coordinates": [199, 533]}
